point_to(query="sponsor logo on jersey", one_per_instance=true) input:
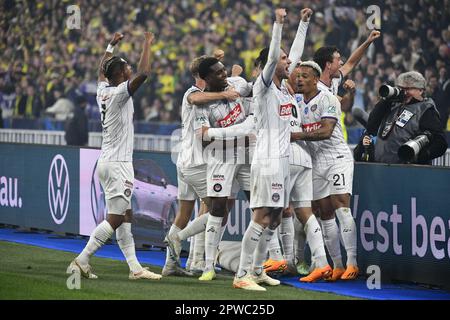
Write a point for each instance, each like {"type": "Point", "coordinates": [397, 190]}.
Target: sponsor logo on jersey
{"type": "Point", "coordinates": [306, 110]}
{"type": "Point", "coordinates": [331, 109]}
{"type": "Point", "coordinates": [217, 187]}
{"type": "Point", "coordinates": [218, 177]}
{"type": "Point", "coordinates": [200, 119]}
{"type": "Point", "coordinates": [230, 119]}
{"type": "Point", "coordinates": [276, 197]}
{"type": "Point", "coordinates": [128, 184]}
{"type": "Point", "coordinates": [285, 110]}
{"type": "Point", "coordinates": [313, 107]}
{"type": "Point", "coordinates": [127, 192]}
{"type": "Point", "coordinates": [311, 126]}
{"type": "Point", "coordinates": [277, 186]}
{"type": "Point", "coordinates": [295, 123]}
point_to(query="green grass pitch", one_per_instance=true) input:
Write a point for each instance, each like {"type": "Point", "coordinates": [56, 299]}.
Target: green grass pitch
{"type": "Point", "coordinates": [28, 272]}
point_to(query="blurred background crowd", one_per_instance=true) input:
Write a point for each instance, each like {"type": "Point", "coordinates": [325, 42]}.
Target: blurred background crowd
{"type": "Point", "coordinates": [46, 67]}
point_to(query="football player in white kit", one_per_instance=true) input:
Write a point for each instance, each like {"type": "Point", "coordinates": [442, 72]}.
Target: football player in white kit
{"type": "Point", "coordinates": [224, 166]}
{"type": "Point", "coordinates": [270, 164]}
{"type": "Point", "coordinates": [116, 85]}
{"type": "Point", "coordinates": [333, 73]}
{"type": "Point", "coordinates": [191, 170]}
{"type": "Point", "coordinates": [332, 167]}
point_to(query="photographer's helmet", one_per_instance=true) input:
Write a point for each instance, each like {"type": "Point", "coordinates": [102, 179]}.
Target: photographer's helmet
{"type": "Point", "coordinates": [411, 79]}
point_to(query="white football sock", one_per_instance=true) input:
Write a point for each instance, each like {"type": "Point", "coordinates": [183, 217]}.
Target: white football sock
{"type": "Point", "coordinates": [261, 251]}
{"type": "Point", "coordinates": [212, 239]}
{"type": "Point", "coordinates": [199, 247]}
{"type": "Point", "coordinates": [299, 240]}
{"type": "Point", "coordinates": [287, 238]}
{"type": "Point", "coordinates": [190, 258]}
{"type": "Point", "coordinates": [126, 244]}
{"type": "Point", "coordinates": [348, 233]}
{"type": "Point", "coordinates": [249, 243]}
{"type": "Point", "coordinates": [330, 232]}
{"type": "Point", "coordinates": [275, 248]}
{"type": "Point", "coordinates": [173, 233]}
{"type": "Point", "coordinates": [99, 236]}
{"type": "Point", "coordinates": [315, 240]}
{"type": "Point", "coordinates": [196, 226]}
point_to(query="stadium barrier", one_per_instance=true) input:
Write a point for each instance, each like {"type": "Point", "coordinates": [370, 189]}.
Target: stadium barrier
{"type": "Point", "coordinates": [402, 212]}
{"type": "Point", "coordinates": [144, 142]}
{"type": "Point", "coordinates": [149, 142]}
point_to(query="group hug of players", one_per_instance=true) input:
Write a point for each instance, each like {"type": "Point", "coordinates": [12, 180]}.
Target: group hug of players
{"type": "Point", "coordinates": [280, 140]}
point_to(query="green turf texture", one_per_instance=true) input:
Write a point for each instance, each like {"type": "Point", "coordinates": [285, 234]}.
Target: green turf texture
{"type": "Point", "coordinates": [28, 272]}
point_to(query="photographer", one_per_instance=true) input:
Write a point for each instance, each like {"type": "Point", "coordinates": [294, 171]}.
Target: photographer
{"type": "Point", "coordinates": [403, 115]}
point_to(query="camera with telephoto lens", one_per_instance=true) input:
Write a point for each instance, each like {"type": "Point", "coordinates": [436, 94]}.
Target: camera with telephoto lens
{"type": "Point", "coordinates": [392, 93]}
{"type": "Point", "coordinates": [410, 150]}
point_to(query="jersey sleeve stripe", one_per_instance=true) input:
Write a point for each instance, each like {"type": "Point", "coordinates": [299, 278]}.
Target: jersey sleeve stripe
{"type": "Point", "coordinates": [329, 117]}
{"type": "Point", "coordinates": [128, 88]}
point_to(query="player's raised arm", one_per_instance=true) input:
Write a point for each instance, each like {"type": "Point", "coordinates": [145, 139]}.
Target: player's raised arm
{"type": "Point", "coordinates": [275, 48]}
{"type": "Point", "coordinates": [299, 42]}
{"type": "Point", "coordinates": [108, 54]}
{"type": "Point", "coordinates": [358, 53]}
{"type": "Point", "coordinates": [200, 98]}
{"type": "Point", "coordinates": [144, 66]}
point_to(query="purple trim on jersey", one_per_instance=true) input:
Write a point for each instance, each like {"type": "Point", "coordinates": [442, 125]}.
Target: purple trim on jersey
{"type": "Point", "coordinates": [328, 117]}
{"type": "Point", "coordinates": [128, 88]}
{"type": "Point", "coordinates": [264, 81]}
{"type": "Point", "coordinates": [306, 102]}
{"type": "Point", "coordinates": [342, 76]}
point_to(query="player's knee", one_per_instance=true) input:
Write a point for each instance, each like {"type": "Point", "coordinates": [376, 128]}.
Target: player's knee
{"type": "Point", "coordinates": [128, 216]}
{"type": "Point", "coordinates": [340, 201]}
{"type": "Point", "coordinates": [219, 207]}
{"type": "Point", "coordinates": [287, 213]}
{"type": "Point", "coordinates": [115, 220]}
{"type": "Point", "coordinates": [327, 214]}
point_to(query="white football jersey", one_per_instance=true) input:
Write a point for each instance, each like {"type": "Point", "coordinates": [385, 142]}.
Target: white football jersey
{"type": "Point", "coordinates": [335, 83]}
{"type": "Point", "coordinates": [273, 110]}
{"type": "Point", "coordinates": [332, 150]}
{"type": "Point", "coordinates": [191, 153]}
{"type": "Point", "coordinates": [225, 114]}
{"type": "Point", "coordinates": [116, 110]}
{"type": "Point", "coordinates": [300, 154]}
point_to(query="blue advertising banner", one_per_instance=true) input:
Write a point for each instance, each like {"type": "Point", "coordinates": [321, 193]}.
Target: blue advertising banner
{"type": "Point", "coordinates": [403, 219]}
{"type": "Point", "coordinates": [402, 212]}
{"type": "Point", "coordinates": [39, 187]}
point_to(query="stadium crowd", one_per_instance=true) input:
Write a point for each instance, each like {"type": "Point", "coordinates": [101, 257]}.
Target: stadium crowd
{"type": "Point", "coordinates": [44, 62]}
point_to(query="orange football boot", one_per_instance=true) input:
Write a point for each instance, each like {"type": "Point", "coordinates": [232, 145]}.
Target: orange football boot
{"type": "Point", "coordinates": [351, 273]}
{"type": "Point", "coordinates": [337, 273]}
{"type": "Point", "coordinates": [317, 274]}
{"type": "Point", "coordinates": [275, 265]}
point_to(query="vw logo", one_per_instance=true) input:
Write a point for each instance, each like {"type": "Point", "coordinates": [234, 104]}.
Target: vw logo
{"type": "Point", "coordinates": [58, 189]}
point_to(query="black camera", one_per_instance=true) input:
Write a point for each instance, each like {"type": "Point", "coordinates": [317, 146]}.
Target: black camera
{"type": "Point", "coordinates": [392, 93]}
{"type": "Point", "coordinates": [409, 152]}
